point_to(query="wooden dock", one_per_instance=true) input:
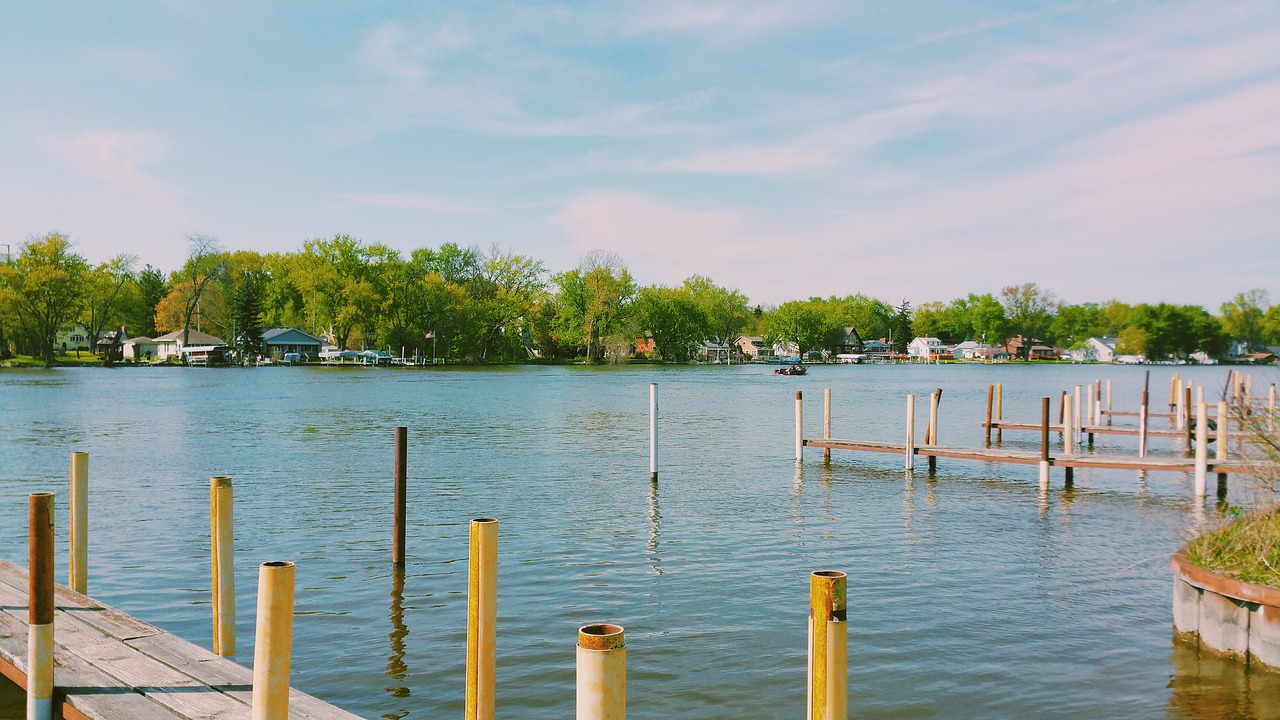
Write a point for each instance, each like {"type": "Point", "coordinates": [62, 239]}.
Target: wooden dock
{"type": "Point", "coordinates": [1032, 457]}
{"type": "Point", "coordinates": [111, 666]}
{"type": "Point", "coordinates": [1106, 430]}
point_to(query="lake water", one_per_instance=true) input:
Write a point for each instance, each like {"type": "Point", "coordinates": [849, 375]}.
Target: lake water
{"type": "Point", "coordinates": [970, 594]}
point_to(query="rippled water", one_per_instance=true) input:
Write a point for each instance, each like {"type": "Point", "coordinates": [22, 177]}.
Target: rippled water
{"type": "Point", "coordinates": [970, 594]}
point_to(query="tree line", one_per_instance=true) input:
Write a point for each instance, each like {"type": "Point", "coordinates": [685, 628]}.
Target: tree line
{"type": "Point", "coordinates": [494, 305]}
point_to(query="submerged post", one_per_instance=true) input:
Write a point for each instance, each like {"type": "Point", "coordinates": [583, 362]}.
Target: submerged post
{"type": "Point", "coordinates": [653, 431]}
{"type": "Point", "coordinates": [40, 606]}
{"type": "Point", "coordinates": [826, 423]}
{"type": "Point", "coordinates": [799, 427]}
{"type": "Point", "coordinates": [602, 673]}
{"type": "Point", "coordinates": [78, 568]}
{"type": "Point", "coordinates": [991, 389]}
{"type": "Point", "coordinates": [222, 538]}
{"type": "Point", "coordinates": [911, 432]}
{"type": "Point", "coordinates": [401, 470]}
{"type": "Point", "coordinates": [1202, 448]}
{"type": "Point", "coordinates": [273, 643]}
{"type": "Point", "coordinates": [828, 645]}
{"type": "Point", "coordinates": [1044, 443]}
{"type": "Point", "coordinates": [482, 617]}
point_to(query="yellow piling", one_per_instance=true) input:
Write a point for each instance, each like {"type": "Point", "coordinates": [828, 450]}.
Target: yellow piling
{"type": "Point", "coordinates": [1173, 392]}
{"type": "Point", "coordinates": [911, 432]}
{"type": "Point", "coordinates": [78, 569]}
{"type": "Point", "coordinates": [273, 644]}
{"type": "Point", "coordinates": [40, 607]}
{"type": "Point", "coordinates": [482, 617]}
{"type": "Point", "coordinates": [799, 427]}
{"type": "Point", "coordinates": [602, 673]}
{"type": "Point", "coordinates": [1068, 429]}
{"type": "Point", "coordinates": [222, 535]}
{"type": "Point", "coordinates": [826, 423]}
{"type": "Point", "coordinates": [828, 675]}
{"type": "Point", "coordinates": [1224, 424]}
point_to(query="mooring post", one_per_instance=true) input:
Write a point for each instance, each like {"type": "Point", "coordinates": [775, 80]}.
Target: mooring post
{"type": "Point", "coordinates": [1173, 393]}
{"type": "Point", "coordinates": [1044, 443]}
{"type": "Point", "coordinates": [1108, 401]}
{"type": "Point", "coordinates": [826, 423]}
{"type": "Point", "coordinates": [482, 617]}
{"type": "Point", "coordinates": [934, 399]}
{"type": "Point", "coordinates": [401, 470]}
{"type": "Point", "coordinates": [273, 641]}
{"type": "Point", "coordinates": [1142, 416]}
{"type": "Point", "coordinates": [1248, 390]}
{"type": "Point", "coordinates": [653, 431]}
{"type": "Point", "coordinates": [799, 427]}
{"type": "Point", "coordinates": [1076, 409]}
{"type": "Point", "coordinates": [828, 645]}
{"type": "Point", "coordinates": [1223, 433]}
{"type": "Point", "coordinates": [602, 673]}
{"type": "Point", "coordinates": [1062, 415]}
{"type": "Point", "coordinates": [40, 606]}
{"type": "Point", "coordinates": [999, 411]}
{"type": "Point", "coordinates": [78, 568]}
{"type": "Point", "coordinates": [991, 391]}
{"type": "Point", "coordinates": [1186, 403]}
{"type": "Point", "coordinates": [1088, 407]}
{"type": "Point", "coordinates": [1068, 430]}
{"type": "Point", "coordinates": [222, 535]}
{"type": "Point", "coordinates": [1097, 403]}
{"type": "Point", "coordinates": [1178, 416]}
{"type": "Point", "coordinates": [1202, 448]}
{"type": "Point", "coordinates": [911, 432]}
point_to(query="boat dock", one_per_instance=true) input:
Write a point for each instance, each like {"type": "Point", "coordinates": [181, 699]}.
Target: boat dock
{"type": "Point", "coordinates": [111, 666]}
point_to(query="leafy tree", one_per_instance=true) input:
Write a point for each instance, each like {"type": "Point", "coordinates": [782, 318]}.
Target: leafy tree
{"type": "Point", "coordinates": [984, 316]}
{"type": "Point", "coordinates": [1179, 330]}
{"type": "Point", "coordinates": [1074, 324]}
{"type": "Point", "coordinates": [1271, 325]}
{"type": "Point", "coordinates": [205, 264]}
{"type": "Point", "coordinates": [1029, 310]}
{"type": "Point", "coordinates": [673, 318]}
{"type": "Point", "coordinates": [930, 320]}
{"type": "Point", "coordinates": [1114, 317]}
{"type": "Point", "coordinates": [210, 312]}
{"type": "Point", "coordinates": [903, 333]}
{"type": "Point", "coordinates": [803, 324]}
{"type": "Point", "coordinates": [725, 311]}
{"type": "Point", "coordinates": [503, 293]}
{"type": "Point", "coordinates": [335, 281]}
{"type": "Point", "coordinates": [1242, 316]}
{"type": "Point", "coordinates": [43, 290]}
{"type": "Point", "coordinates": [108, 290]}
{"type": "Point", "coordinates": [150, 289]}
{"type": "Point", "coordinates": [1132, 341]}
{"type": "Point", "coordinates": [592, 300]}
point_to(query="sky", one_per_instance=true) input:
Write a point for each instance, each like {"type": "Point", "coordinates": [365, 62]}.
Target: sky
{"type": "Point", "coordinates": [912, 151]}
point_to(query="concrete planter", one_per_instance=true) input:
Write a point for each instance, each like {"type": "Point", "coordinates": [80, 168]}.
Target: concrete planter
{"type": "Point", "coordinates": [1226, 615]}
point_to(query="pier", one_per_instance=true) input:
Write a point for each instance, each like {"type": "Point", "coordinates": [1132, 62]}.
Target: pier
{"type": "Point", "coordinates": [111, 666]}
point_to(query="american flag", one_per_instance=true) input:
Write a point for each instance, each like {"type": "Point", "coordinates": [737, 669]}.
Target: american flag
{"type": "Point", "coordinates": [430, 335]}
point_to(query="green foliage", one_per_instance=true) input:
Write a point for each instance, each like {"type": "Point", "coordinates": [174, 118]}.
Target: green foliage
{"type": "Point", "coordinates": [1178, 330]}
{"type": "Point", "coordinates": [591, 303]}
{"type": "Point", "coordinates": [1243, 316]}
{"type": "Point", "coordinates": [1074, 324]}
{"type": "Point", "coordinates": [1029, 310]}
{"type": "Point", "coordinates": [43, 292]}
{"type": "Point", "coordinates": [903, 332]}
{"type": "Point", "coordinates": [724, 311]}
{"type": "Point", "coordinates": [672, 317]}
{"type": "Point", "coordinates": [150, 288]}
{"type": "Point", "coordinates": [248, 316]}
{"type": "Point", "coordinates": [804, 324]}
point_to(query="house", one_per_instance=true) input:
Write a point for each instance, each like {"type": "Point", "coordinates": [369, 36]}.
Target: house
{"type": "Point", "coordinates": [877, 349]}
{"type": "Point", "coordinates": [1043, 352]}
{"type": "Point", "coordinates": [646, 346]}
{"type": "Point", "coordinates": [278, 342]}
{"type": "Point", "coordinates": [927, 347]}
{"type": "Point", "coordinates": [111, 346]}
{"type": "Point", "coordinates": [972, 350]}
{"type": "Point", "coordinates": [139, 349]}
{"type": "Point", "coordinates": [171, 345]}
{"type": "Point", "coordinates": [1028, 349]}
{"type": "Point", "coordinates": [73, 338]}
{"type": "Point", "coordinates": [1100, 349]}
{"type": "Point", "coordinates": [713, 352]}
{"type": "Point", "coordinates": [754, 348]}
{"type": "Point", "coordinates": [847, 343]}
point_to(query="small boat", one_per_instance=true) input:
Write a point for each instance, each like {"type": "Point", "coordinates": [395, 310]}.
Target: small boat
{"type": "Point", "coordinates": [790, 370]}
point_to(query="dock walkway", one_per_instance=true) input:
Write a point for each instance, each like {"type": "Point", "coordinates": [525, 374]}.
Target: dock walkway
{"type": "Point", "coordinates": [111, 666]}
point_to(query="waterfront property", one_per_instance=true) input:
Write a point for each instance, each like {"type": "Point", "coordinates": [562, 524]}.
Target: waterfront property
{"type": "Point", "coordinates": [278, 342]}
{"type": "Point", "coordinates": [171, 345]}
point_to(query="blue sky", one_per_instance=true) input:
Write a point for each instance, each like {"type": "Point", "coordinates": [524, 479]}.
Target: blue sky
{"type": "Point", "coordinates": [907, 150]}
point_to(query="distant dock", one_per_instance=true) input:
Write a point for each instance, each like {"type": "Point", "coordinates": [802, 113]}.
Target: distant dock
{"type": "Point", "coordinates": [111, 666]}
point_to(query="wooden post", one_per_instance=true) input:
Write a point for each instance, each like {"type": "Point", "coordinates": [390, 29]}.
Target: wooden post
{"type": "Point", "coordinates": [222, 536]}
{"type": "Point", "coordinates": [1088, 407]}
{"type": "Point", "coordinates": [1097, 403]}
{"type": "Point", "coordinates": [1248, 390]}
{"type": "Point", "coordinates": [828, 635]}
{"type": "Point", "coordinates": [1202, 448]}
{"type": "Point", "coordinates": [1108, 401]}
{"type": "Point", "coordinates": [911, 432]}
{"type": "Point", "coordinates": [991, 391]}
{"type": "Point", "coordinates": [1062, 411]}
{"type": "Point", "coordinates": [482, 616]}
{"type": "Point", "coordinates": [1044, 443]}
{"type": "Point", "coordinates": [799, 427]}
{"type": "Point", "coordinates": [999, 411]}
{"type": "Point", "coordinates": [1179, 419]}
{"type": "Point", "coordinates": [826, 423]}
{"type": "Point", "coordinates": [401, 470]}
{"type": "Point", "coordinates": [40, 606]}
{"type": "Point", "coordinates": [1142, 416]}
{"type": "Point", "coordinates": [78, 569]}
{"type": "Point", "coordinates": [1186, 403]}
{"type": "Point", "coordinates": [653, 431]}
{"type": "Point", "coordinates": [1173, 392]}
{"type": "Point", "coordinates": [1076, 415]}
{"type": "Point", "coordinates": [602, 673]}
{"type": "Point", "coordinates": [273, 643]}
{"type": "Point", "coordinates": [934, 399]}
{"type": "Point", "coordinates": [1068, 430]}
{"type": "Point", "coordinates": [1223, 435]}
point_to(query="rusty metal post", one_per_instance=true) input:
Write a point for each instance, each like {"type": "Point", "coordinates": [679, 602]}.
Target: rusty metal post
{"type": "Point", "coordinates": [828, 636]}
{"type": "Point", "coordinates": [401, 495]}
{"type": "Point", "coordinates": [1108, 401]}
{"type": "Point", "coordinates": [601, 673]}
{"type": "Point", "coordinates": [78, 568]}
{"type": "Point", "coordinates": [40, 607]}
{"type": "Point", "coordinates": [1186, 403]}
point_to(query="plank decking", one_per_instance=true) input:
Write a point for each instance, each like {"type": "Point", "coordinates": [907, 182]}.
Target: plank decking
{"type": "Point", "coordinates": [111, 666]}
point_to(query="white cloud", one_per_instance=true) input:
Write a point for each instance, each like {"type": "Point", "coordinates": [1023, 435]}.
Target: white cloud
{"type": "Point", "coordinates": [118, 159]}
{"type": "Point", "coordinates": [412, 201]}
{"type": "Point", "coordinates": [405, 54]}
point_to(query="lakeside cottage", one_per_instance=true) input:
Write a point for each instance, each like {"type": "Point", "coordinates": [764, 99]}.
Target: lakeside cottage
{"type": "Point", "coordinates": [72, 339]}
{"type": "Point", "coordinates": [171, 345]}
{"type": "Point", "coordinates": [927, 348]}
{"type": "Point", "coordinates": [278, 342]}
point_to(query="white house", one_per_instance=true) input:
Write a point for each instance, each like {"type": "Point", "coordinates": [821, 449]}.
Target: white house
{"type": "Point", "coordinates": [927, 347]}
{"type": "Point", "coordinates": [972, 350]}
{"type": "Point", "coordinates": [75, 337]}
{"type": "Point", "coordinates": [1100, 349]}
{"type": "Point", "coordinates": [277, 342]}
{"type": "Point", "coordinates": [171, 345]}
{"type": "Point", "coordinates": [139, 348]}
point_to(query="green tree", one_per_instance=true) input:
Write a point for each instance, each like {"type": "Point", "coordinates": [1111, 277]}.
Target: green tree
{"type": "Point", "coordinates": [673, 318]}
{"type": "Point", "coordinates": [1178, 330]}
{"type": "Point", "coordinates": [205, 264]}
{"type": "Point", "coordinates": [806, 325]}
{"type": "Point", "coordinates": [1132, 341]}
{"type": "Point", "coordinates": [592, 301]}
{"type": "Point", "coordinates": [150, 289]}
{"type": "Point", "coordinates": [903, 333]}
{"type": "Point", "coordinates": [336, 282]}
{"type": "Point", "coordinates": [44, 290]}
{"type": "Point", "coordinates": [1242, 316]}
{"type": "Point", "coordinates": [1271, 325]}
{"type": "Point", "coordinates": [247, 317]}
{"type": "Point", "coordinates": [108, 291]}
{"type": "Point", "coordinates": [1029, 310]}
{"type": "Point", "coordinates": [930, 320]}
{"type": "Point", "coordinates": [1074, 324]}
{"type": "Point", "coordinates": [725, 311]}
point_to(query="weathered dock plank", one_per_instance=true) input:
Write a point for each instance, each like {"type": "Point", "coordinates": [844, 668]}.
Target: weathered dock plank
{"type": "Point", "coordinates": [1103, 430]}
{"type": "Point", "coordinates": [111, 666]}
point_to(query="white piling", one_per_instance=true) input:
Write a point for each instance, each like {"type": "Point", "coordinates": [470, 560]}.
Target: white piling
{"type": "Point", "coordinates": [601, 673]}
{"type": "Point", "coordinates": [1224, 423]}
{"type": "Point", "coordinates": [1202, 448]}
{"type": "Point", "coordinates": [826, 423]}
{"type": "Point", "coordinates": [1077, 409]}
{"type": "Point", "coordinates": [1108, 401]}
{"type": "Point", "coordinates": [799, 427]}
{"type": "Point", "coordinates": [653, 431]}
{"type": "Point", "coordinates": [1068, 422]}
{"type": "Point", "coordinates": [911, 432]}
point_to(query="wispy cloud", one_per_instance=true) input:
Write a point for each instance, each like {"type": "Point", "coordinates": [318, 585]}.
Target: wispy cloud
{"type": "Point", "coordinates": [119, 159]}
{"type": "Point", "coordinates": [405, 54]}
{"type": "Point", "coordinates": [427, 202]}
{"type": "Point", "coordinates": [746, 18]}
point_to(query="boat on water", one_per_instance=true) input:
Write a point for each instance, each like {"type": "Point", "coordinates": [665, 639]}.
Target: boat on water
{"type": "Point", "coordinates": [790, 370]}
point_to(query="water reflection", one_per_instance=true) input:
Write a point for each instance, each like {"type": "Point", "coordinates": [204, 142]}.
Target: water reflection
{"type": "Point", "coordinates": [655, 527]}
{"type": "Point", "coordinates": [1209, 686]}
{"type": "Point", "coordinates": [397, 669]}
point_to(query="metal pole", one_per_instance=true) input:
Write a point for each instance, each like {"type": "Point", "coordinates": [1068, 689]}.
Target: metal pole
{"type": "Point", "coordinates": [990, 397]}
{"type": "Point", "coordinates": [653, 431]}
{"type": "Point", "coordinates": [40, 607]}
{"type": "Point", "coordinates": [78, 570]}
{"type": "Point", "coordinates": [273, 643]}
{"type": "Point", "coordinates": [602, 673]}
{"type": "Point", "coordinates": [828, 633]}
{"type": "Point", "coordinates": [482, 616]}
{"type": "Point", "coordinates": [799, 427]}
{"type": "Point", "coordinates": [224, 579]}
{"type": "Point", "coordinates": [826, 423]}
{"type": "Point", "coordinates": [911, 432]}
{"type": "Point", "coordinates": [1044, 443]}
{"type": "Point", "coordinates": [401, 495]}
{"type": "Point", "coordinates": [999, 410]}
